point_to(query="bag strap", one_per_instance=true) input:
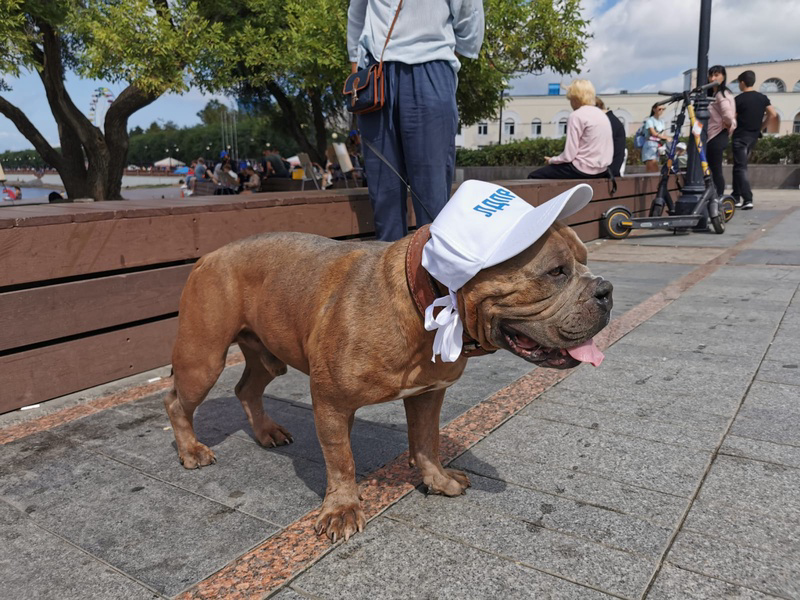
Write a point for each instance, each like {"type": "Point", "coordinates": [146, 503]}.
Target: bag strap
{"type": "Point", "coordinates": [388, 35]}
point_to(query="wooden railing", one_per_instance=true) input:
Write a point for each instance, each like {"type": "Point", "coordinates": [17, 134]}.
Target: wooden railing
{"type": "Point", "coordinates": [89, 292]}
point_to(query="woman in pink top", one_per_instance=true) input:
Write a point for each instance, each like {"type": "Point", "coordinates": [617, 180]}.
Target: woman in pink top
{"type": "Point", "coordinates": [589, 149]}
{"type": "Point", "coordinates": [720, 125]}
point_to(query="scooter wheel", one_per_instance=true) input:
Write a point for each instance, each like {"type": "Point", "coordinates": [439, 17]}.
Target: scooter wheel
{"type": "Point", "coordinates": [612, 223]}
{"type": "Point", "coordinates": [727, 207]}
{"type": "Point", "coordinates": [718, 223]}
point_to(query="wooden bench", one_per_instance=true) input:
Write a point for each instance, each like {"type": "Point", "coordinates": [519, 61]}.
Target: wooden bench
{"type": "Point", "coordinates": [89, 292]}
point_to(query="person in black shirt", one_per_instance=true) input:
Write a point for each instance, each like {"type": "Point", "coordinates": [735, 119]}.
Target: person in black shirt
{"type": "Point", "coordinates": [753, 113]}
{"type": "Point", "coordinates": [617, 136]}
{"type": "Point", "coordinates": [273, 165]}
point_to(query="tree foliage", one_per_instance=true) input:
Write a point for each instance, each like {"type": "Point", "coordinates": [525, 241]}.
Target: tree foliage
{"type": "Point", "coordinates": [293, 56]}
{"type": "Point", "coordinates": [151, 46]}
{"type": "Point", "coordinates": [286, 60]}
{"type": "Point", "coordinates": [521, 37]}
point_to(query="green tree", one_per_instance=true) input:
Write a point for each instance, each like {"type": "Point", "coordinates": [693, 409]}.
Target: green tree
{"type": "Point", "coordinates": [521, 37]}
{"type": "Point", "coordinates": [213, 112]}
{"type": "Point", "coordinates": [293, 57]}
{"type": "Point", "coordinates": [152, 46]}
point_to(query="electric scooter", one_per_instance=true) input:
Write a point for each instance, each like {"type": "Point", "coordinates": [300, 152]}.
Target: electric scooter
{"type": "Point", "coordinates": [618, 221]}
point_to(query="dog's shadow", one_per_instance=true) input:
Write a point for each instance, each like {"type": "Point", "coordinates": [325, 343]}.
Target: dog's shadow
{"type": "Point", "coordinates": [374, 442]}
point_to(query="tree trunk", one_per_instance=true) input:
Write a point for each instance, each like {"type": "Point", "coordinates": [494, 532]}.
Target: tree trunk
{"type": "Point", "coordinates": [90, 163]}
{"type": "Point", "coordinates": [320, 129]}
{"type": "Point", "coordinates": [293, 123]}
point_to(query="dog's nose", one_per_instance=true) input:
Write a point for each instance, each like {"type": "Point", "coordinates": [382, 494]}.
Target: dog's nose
{"type": "Point", "coordinates": [602, 293]}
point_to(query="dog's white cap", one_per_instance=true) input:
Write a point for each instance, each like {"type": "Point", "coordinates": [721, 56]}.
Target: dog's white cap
{"type": "Point", "coordinates": [483, 225]}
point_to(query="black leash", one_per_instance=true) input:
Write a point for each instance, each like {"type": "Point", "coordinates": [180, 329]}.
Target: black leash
{"type": "Point", "coordinates": [408, 185]}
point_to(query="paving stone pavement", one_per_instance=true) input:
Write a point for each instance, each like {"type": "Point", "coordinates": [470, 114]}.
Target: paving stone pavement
{"type": "Point", "coordinates": [672, 471]}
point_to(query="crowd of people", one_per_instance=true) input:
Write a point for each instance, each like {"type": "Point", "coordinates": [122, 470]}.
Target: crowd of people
{"type": "Point", "coordinates": [246, 177]}
{"type": "Point", "coordinates": [596, 141]}
{"type": "Point", "coordinates": [410, 141]}
{"type": "Point", "coordinates": [230, 178]}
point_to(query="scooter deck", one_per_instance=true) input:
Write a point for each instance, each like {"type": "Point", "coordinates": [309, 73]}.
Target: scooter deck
{"type": "Point", "coordinates": [672, 222]}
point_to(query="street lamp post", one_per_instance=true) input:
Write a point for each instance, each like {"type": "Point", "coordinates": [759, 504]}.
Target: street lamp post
{"type": "Point", "coordinates": [504, 83]}
{"type": "Point", "coordinates": [500, 122]}
{"type": "Point", "coordinates": [694, 186]}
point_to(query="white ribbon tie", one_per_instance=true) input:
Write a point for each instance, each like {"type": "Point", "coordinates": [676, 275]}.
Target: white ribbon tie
{"type": "Point", "coordinates": [449, 329]}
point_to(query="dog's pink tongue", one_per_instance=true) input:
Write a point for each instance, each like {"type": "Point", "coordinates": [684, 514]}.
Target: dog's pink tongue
{"type": "Point", "coordinates": [587, 352]}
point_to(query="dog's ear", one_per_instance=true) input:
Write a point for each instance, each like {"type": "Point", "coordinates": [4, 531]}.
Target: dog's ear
{"type": "Point", "coordinates": [571, 238]}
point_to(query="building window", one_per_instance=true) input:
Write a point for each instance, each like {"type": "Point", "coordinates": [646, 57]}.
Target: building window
{"type": "Point", "coordinates": [796, 126]}
{"type": "Point", "coordinates": [796, 87]}
{"type": "Point", "coordinates": [508, 127]}
{"type": "Point", "coordinates": [553, 89]}
{"type": "Point", "coordinates": [771, 85]}
{"type": "Point", "coordinates": [562, 128]}
{"type": "Point", "coordinates": [536, 128]}
{"type": "Point", "coordinates": [483, 129]}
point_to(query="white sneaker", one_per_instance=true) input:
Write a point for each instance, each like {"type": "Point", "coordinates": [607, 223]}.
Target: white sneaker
{"type": "Point", "coordinates": [739, 203]}
{"type": "Point", "coordinates": [747, 206]}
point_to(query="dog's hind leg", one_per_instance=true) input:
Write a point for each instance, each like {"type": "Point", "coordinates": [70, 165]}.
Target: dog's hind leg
{"type": "Point", "coordinates": [206, 329]}
{"type": "Point", "coordinates": [261, 367]}
{"type": "Point", "coordinates": [422, 415]}
{"type": "Point", "coordinates": [192, 381]}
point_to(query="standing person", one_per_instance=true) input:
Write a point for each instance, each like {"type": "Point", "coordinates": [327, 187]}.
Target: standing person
{"type": "Point", "coordinates": [753, 113]}
{"type": "Point", "coordinates": [654, 130]}
{"type": "Point", "coordinates": [589, 148]}
{"type": "Point", "coordinates": [617, 135]}
{"type": "Point", "coordinates": [416, 128]}
{"type": "Point", "coordinates": [721, 124]}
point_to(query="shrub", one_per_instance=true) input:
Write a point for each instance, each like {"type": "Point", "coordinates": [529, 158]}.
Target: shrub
{"type": "Point", "coordinates": [769, 150]}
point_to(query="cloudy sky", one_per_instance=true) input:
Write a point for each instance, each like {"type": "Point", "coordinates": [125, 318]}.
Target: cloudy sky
{"type": "Point", "coordinates": [645, 45]}
{"type": "Point", "coordinates": [637, 45]}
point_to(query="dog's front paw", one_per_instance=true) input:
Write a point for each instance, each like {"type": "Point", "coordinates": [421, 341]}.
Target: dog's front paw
{"type": "Point", "coordinates": [340, 520]}
{"type": "Point", "coordinates": [450, 482]}
{"type": "Point", "coordinates": [274, 436]}
{"type": "Point", "coordinates": [196, 456]}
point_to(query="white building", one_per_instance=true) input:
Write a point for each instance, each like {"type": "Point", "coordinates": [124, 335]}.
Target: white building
{"type": "Point", "coordinates": [546, 115]}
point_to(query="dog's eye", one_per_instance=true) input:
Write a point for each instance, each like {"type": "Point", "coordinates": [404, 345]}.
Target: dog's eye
{"type": "Point", "coordinates": [558, 271]}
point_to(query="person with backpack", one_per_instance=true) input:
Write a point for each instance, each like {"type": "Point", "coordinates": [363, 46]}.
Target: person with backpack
{"type": "Point", "coordinates": [652, 132]}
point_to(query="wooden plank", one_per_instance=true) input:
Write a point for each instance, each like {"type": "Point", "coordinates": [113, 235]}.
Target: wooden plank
{"type": "Point", "coordinates": [55, 311]}
{"type": "Point", "coordinates": [330, 220]}
{"type": "Point", "coordinates": [52, 371]}
{"type": "Point", "coordinates": [30, 254]}
{"type": "Point", "coordinates": [39, 253]}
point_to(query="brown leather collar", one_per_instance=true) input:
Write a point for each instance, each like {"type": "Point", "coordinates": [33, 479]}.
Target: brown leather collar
{"type": "Point", "coordinates": [425, 289]}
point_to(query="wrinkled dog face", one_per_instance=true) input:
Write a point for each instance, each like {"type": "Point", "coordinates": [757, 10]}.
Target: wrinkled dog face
{"type": "Point", "coordinates": [542, 303]}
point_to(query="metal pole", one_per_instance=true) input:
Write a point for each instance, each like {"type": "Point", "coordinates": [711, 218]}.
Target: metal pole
{"type": "Point", "coordinates": [222, 127]}
{"type": "Point", "coordinates": [500, 122]}
{"type": "Point", "coordinates": [693, 186]}
{"type": "Point", "coordinates": [235, 136]}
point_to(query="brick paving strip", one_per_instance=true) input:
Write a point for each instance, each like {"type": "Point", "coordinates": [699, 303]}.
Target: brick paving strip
{"type": "Point", "coordinates": [268, 566]}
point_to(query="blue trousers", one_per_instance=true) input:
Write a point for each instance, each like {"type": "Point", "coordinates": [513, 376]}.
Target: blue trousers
{"type": "Point", "coordinates": [416, 132]}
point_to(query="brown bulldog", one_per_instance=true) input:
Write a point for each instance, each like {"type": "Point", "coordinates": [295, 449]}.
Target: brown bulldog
{"type": "Point", "coordinates": [344, 313]}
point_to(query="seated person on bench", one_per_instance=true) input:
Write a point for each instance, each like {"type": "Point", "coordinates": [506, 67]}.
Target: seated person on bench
{"type": "Point", "coordinates": [252, 182]}
{"type": "Point", "coordinates": [589, 148]}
